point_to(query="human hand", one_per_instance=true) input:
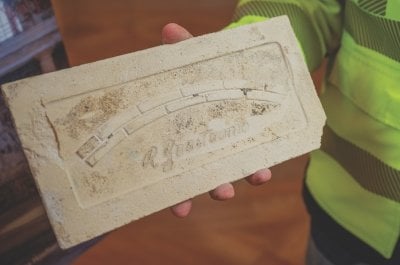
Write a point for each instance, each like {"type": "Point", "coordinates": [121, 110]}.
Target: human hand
{"type": "Point", "coordinates": [173, 33]}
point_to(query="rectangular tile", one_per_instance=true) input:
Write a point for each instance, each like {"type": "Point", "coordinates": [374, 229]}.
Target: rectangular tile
{"type": "Point", "coordinates": [100, 163]}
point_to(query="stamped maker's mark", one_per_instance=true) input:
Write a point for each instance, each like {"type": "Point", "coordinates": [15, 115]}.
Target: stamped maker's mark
{"type": "Point", "coordinates": [97, 146]}
{"type": "Point", "coordinates": [173, 150]}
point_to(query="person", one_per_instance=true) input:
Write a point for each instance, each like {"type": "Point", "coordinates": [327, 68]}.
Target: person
{"type": "Point", "coordinates": [352, 185]}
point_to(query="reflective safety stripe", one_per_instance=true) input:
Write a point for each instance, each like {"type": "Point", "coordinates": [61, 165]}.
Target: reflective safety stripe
{"type": "Point", "coordinates": [370, 172]}
{"type": "Point", "coordinates": [393, 9]}
{"type": "Point", "coordinates": [372, 30]}
{"type": "Point", "coordinates": [245, 20]}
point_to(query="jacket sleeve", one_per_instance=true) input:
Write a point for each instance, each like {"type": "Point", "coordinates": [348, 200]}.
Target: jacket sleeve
{"type": "Point", "coordinates": [317, 23]}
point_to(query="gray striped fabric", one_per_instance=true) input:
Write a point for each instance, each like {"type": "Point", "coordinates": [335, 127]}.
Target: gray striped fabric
{"type": "Point", "coordinates": [370, 172]}
{"type": "Point", "coordinates": [377, 7]}
{"type": "Point", "coordinates": [369, 28]}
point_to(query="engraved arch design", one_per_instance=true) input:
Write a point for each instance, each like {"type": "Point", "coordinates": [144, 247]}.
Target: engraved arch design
{"type": "Point", "coordinates": [98, 145]}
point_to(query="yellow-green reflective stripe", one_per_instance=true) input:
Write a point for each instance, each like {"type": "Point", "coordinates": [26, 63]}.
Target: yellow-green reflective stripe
{"type": "Point", "coordinates": [371, 80]}
{"type": "Point", "coordinates": [393, 9]}
{"type": "Point", "coordinates": [357, 127]}
{"type": "Point", "coordinates": [372, 218]}
{"type": "Point", "coordinates": [241, 2]}
{"type": "Point", "coordinates": [246, 20]}
{"type": "Point", "coordinates": [371, 173]}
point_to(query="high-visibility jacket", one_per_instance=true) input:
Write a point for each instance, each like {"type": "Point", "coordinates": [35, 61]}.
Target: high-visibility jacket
{"type": "Point", "coordinates": [355, 177]}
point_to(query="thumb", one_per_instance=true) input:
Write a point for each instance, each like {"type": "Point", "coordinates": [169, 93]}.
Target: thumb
{"type": "Point", "coordinates": [172, 33]}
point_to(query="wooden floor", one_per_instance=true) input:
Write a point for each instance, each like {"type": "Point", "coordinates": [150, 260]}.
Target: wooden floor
{"type": "Point", "coordinates": [262, 225]}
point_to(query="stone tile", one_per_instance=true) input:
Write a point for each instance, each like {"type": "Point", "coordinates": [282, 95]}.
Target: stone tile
{"type": "Point", "coordinates": [226, 104]}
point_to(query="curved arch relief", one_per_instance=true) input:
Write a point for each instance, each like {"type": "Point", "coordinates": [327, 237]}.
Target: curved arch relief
{"type": "Point", "coordinates": [94, 149]}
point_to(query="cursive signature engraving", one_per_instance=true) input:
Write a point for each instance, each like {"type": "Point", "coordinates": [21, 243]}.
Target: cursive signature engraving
{"type": "Point", "coordinates": [164, 157]}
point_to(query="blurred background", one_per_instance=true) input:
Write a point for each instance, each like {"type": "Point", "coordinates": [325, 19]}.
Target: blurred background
{"type": "Point", "coordinates": [261, 225]}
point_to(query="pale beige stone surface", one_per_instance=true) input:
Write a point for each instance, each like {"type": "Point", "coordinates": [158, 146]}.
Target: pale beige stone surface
{"type": "Point", "coordinates": [113, 141]}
